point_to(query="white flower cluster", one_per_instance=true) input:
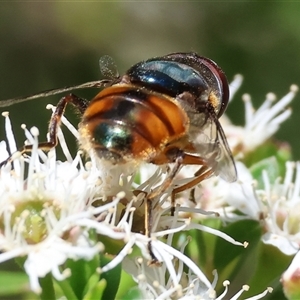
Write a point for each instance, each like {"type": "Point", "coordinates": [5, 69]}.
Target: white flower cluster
{"type": "Point", "coordinates": [276, 204]}
{"type": "Point", "coordinates": [47, 210]}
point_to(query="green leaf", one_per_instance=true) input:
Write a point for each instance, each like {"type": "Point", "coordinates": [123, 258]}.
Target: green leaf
{"type": "Point", "coordinates": [112, 246]}
{"type": "Point", "coordinates": [66, 289]}
{"type": "Point", "coordinates": [202, 245]}
{"type": "Point", "coordinates": [281, 151]}
{"type": "Point", "coordinates": [275, 262]}
{"type": "Point", "coordinates": [13, 283]}
{"type": "Point", "coordinates": [125, 284]}
{"type": "Point", "coordinates": [81, 272]}
{"type": "Point", "coordinates": [236, 263]}
{"type": "Point", "coordinates": [96, 290]}
{"type": "Point", "coordinates": [47, 287]}
{"type": "Point", "coordinates": [270, 165]}
{"type": "Point", "coordinates": [112, 278]}
{"type": "Point", "coordinates": [133, 294]}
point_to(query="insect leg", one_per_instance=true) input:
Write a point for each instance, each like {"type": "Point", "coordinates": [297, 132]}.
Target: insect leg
{"type": "Point", "coordinates": [148, 229]}
{"type": "Point", "coordinates": [55, 121]}
{"type": "Point", "coordinates": [203, 173]}
{"type": "Point", "coordinates": [149, 204]}
{"type": "Point", "coordinates": [192, 191]}
{"type": "Point", "coordinates": [79, 103]}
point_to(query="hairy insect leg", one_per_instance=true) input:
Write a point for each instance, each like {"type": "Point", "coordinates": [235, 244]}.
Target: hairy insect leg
{"type": "Point", "coordinates": [149, 205]}
{"type": "Point", "coordinates": [203, 173]}
{"type": "Point", "coordinates": [79, 103]}
{"type": "Point", "coordinates": [182, 158]}
{"type": "Point", "coordinates": [148, 229]}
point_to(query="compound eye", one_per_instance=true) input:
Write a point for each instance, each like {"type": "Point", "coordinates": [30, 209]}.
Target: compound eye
{"type": "Point", "coordinates": [219, 84]}
{"type": "Point", "coordinates": [211, 73]}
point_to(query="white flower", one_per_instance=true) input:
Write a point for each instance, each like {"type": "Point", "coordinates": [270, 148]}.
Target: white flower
{"type": "Point", "coordinates": [276, 206]}
{"type": "Point", "coordinates": [166, 278]}
{"type": "Point", "coordinates": [47, 214]}
{"type": "Point", "coordinates": [260, 124]}
{"type": "Point", "coordinates": [234, 85]}
{"type": "Point", "coordinates": [241, 194]}
{"type": "Point", "coordinates": [40, 208]}
{"type": "Point", "coordinates": [159, 283]}
{"type": "Point", "coordinates": [283, 203]}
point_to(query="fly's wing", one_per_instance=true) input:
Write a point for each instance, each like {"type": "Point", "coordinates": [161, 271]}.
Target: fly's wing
{"type": "Point", "coordinates": [209, 141]}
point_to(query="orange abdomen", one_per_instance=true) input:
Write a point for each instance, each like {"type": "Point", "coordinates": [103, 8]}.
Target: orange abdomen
{"type": "Point", "coordinates": [125, 121]}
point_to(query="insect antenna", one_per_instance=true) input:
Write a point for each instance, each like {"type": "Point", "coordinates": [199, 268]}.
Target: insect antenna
{"type": "Point", "coordinates": [91, 84]}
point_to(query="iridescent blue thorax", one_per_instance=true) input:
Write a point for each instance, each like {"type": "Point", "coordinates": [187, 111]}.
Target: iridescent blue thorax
{"type": "Point", "coordinates": [170, 77]}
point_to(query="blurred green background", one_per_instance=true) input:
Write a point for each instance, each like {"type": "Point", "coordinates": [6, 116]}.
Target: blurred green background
{"type": "Point", "coordinates": [56, 44]}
